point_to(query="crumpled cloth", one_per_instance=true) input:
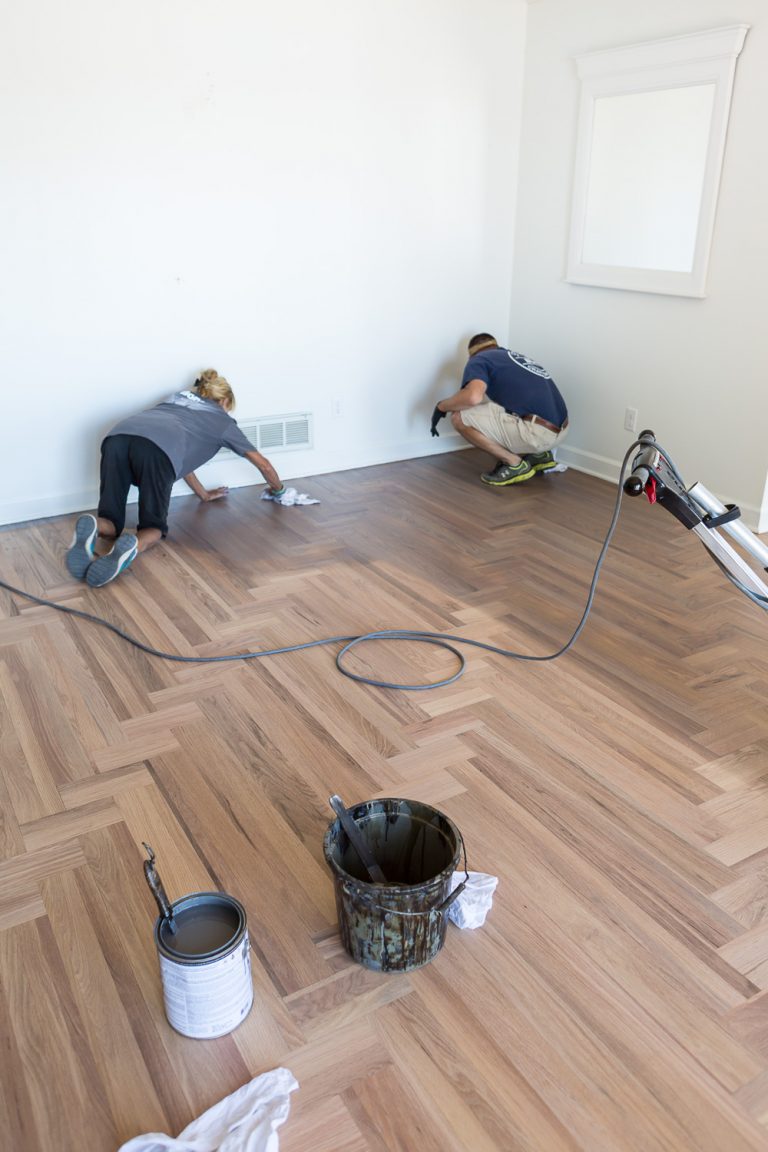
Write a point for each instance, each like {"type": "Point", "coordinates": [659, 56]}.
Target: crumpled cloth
{"type": "Point", "coordinates": [289, 497]}
{"type": "Point", "coordinates": [245, 1121]}
{"type": "Point", "coordinates": [471, 906]}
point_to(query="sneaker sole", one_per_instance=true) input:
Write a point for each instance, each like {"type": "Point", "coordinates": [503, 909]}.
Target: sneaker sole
{"type": "Point", "coordinates": [106, 568]}
{"type": "Point", "coordinates": [544, 467]}
{"type": "Point", "coordinates": [80, 554]}
{"type": "Point", "coordinates": [506, 483]}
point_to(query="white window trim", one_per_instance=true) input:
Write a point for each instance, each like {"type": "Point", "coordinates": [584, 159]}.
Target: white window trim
{"type": "Point", "coordinates": [701, 58]}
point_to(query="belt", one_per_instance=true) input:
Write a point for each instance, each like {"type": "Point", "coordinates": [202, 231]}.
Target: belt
{"type": "Point", "coordinates": [534, 419]}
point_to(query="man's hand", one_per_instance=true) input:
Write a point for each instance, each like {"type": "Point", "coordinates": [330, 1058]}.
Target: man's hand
{"type": "Point", "coordinates": [437, 416]}
{"type": "Point", "coordinates": [214, 494]}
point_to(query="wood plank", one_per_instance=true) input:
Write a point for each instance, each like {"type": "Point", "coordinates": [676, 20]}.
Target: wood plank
{"type": "Point", "coordinates": [329, 1127]}
{"type": "Point", "coordinates": [20, 904]}
{"type": "Point", "coordinates": [128, 1088]}
{"type": "Point", "coordinates": [28, 782]}
{"type": "Point", "coordinates": [65, 826]}
{"type": "Point", "coordinates": [105, 785]}
{"type": "Point", "coordinates": [64, 1095]}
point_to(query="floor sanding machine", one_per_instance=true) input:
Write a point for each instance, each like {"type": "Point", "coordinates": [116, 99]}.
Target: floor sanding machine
{"type": "Point", "coordinates": [702, 513]}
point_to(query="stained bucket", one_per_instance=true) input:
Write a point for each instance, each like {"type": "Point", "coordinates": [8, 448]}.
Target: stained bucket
{"type": "Point", "coordinates": [400, 925]}
{"type": "Point", "coordinates": [205, 964]}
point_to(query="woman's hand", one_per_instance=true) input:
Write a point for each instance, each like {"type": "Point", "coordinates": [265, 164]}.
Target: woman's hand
{"type": "Point", "coordinates": [204, 494]}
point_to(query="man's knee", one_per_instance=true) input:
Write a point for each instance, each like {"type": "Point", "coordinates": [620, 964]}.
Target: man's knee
{"type": "Point", "coordinates": [457, 421]}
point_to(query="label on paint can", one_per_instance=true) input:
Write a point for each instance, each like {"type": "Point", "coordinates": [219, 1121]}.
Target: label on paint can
{"type": "Point", "coordinates": [207, 982]}
{"type": "Point", "coordinates": [208, 1000]}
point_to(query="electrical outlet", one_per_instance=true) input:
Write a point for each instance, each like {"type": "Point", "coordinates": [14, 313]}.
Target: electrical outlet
{"type": "Point", "coordinates": [336, 406]}
{"type": "Point", "coordinates": [630, 419]}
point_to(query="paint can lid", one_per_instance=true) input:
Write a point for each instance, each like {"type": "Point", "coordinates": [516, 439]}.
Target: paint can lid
{"type": "Point", "coordinates": [208, 925]}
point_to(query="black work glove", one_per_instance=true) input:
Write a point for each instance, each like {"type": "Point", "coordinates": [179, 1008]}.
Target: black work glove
{"type": "Point", "coordinates": [437, 416]}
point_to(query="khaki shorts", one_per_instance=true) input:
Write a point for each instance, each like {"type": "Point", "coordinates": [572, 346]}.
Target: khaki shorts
{"type": "Point", "coordinates": [512, 432]}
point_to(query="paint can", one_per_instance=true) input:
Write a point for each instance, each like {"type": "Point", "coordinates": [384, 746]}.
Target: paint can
{"type": "Point", "coordinates": [205, 964]}
{"type": "Point", "coordinates": [400, 925]}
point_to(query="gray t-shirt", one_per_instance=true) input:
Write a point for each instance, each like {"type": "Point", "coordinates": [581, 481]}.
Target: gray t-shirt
{"type": "Point", "coordinates": [189, 429]}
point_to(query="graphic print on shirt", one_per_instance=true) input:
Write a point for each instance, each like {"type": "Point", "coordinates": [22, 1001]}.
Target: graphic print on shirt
{"type": "Point", "coordinates": [187, 399]}
{"type": "Point", "coordinates": [528, 364]}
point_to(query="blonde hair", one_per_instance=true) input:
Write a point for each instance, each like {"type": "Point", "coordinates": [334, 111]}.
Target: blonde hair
{"type": "Point", "coordinates": [211, 386]}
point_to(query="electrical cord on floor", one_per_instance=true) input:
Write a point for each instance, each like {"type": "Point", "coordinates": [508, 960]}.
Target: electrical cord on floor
{"type": "Point", "coordinates": [440, 639]}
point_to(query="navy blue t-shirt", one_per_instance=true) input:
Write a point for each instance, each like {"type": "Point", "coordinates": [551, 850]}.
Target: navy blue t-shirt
{"type": "Point", "coordinates": [517, 383]}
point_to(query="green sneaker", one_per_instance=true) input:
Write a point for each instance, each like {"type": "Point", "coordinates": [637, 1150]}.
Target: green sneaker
{"type": "Point", "coordinates": [504, 474]}
{"type": "Point", "coordinates": [80, 554]}
{"type": "Point", "coordinates": [541, 461]}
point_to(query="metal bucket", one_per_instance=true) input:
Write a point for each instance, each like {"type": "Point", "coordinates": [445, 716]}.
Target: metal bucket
{"type": "Point", "coordinates": [401, 925]}
{"type": "Point", "coordinates": [205, 965]}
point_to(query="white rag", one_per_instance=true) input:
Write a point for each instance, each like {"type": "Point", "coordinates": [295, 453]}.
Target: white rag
{"type": "Point", "coordinates": [289, 497]}
{"type": "Point", "coordinates": [471, 906]}
{"type": "Point", "coordinates": [245, 1121]}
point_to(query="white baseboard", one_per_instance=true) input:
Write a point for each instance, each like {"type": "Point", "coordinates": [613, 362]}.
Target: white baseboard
{"type": "Point", "coordinates": [237, 474]}
{"type": "Point", "coordinates": [605, 468]}
{"type": "Point", "coordinates": [38, 508]}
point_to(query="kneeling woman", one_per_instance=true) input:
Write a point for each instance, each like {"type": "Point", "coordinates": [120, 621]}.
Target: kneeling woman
{"type": "Point", "coordinates": [153, 450]}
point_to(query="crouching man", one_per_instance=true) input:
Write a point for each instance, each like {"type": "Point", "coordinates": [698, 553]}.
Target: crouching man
{"type": "Point", "coordinates": [510, 407]}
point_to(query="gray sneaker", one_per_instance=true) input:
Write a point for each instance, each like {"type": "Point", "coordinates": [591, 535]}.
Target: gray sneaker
{"type": "Point", "coordinates": [504, 474]}
{"type": "Point", "coordinates": [80, 555]}
{"type": "Point", "coordinates": [107, 567]}
{"type": "Point", "coordinates": [541, 461]}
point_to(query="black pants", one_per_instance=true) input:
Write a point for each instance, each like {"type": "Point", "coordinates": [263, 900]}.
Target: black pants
{"type": "Point", "coordinates": [127, 460]}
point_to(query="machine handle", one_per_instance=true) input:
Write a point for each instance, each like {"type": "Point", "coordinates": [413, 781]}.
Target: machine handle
{"type": "Point", "coordinates": [645, 461]}
{"type": "Point", "coordinates": [636, 481]}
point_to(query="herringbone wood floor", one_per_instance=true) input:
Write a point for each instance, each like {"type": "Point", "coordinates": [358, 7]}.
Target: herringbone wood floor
{"type": "Point", "coordinates": [614, 1000]}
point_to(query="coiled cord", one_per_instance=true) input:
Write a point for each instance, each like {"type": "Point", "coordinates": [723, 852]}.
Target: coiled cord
{"type": "Point", "coordinates": [440, 639]}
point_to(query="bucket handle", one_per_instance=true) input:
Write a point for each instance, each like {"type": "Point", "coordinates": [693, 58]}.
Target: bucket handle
{"type": "Point", "coordinates": [441, 909]}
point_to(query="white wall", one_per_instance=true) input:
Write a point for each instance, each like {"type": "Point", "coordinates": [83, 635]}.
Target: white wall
{"type": "Point", "coordinates": [315, 199]}
{"type": "Point", "coordinates": [694, 369]}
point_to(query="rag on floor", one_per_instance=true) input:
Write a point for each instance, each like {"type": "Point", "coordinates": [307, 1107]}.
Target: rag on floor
{"type": "Point", "coordinates": [245, 1121]}
{"type": "Point", "coordinates": [471, 906]}
{"type": "Point", "coordinates": [289, 497]}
